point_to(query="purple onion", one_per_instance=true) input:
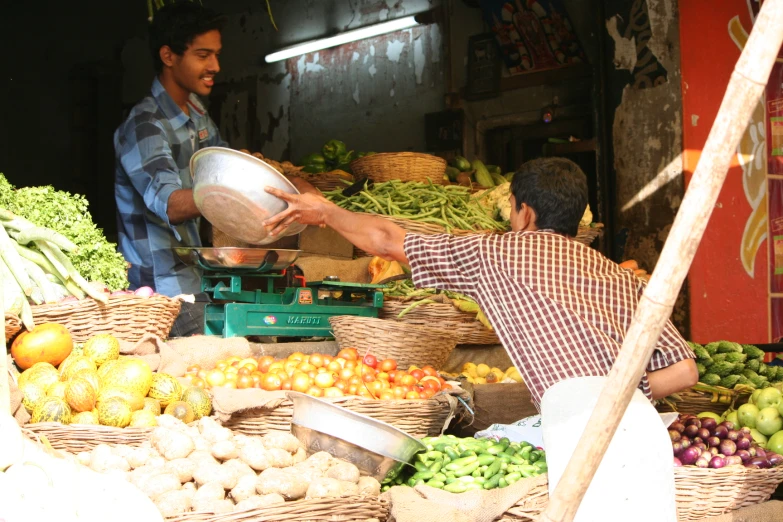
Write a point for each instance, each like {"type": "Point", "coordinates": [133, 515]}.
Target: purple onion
{"type": "Point", "coordinates": [774, 459]}
{"type": "Point", "coordinates": [743, 443]}
{"type": "Point", "coordinates": [728, 447]}
{"type": "Point", "coordinates": [752, 466]}
{"type": "Point", "coordinates": [743, 454]}
{"type": "Point", "coordinates": [729, 425]}
{"type": "Point", "coordinates": [685, 442]}
{"type": "Point", "coordinates": [733, 435]}
{"type": "Point", "coordinates": [760, 462]}
{"type": "Point", "coordinates": [704, 433]}
{"type": "Point", "coordinates": [717, 462]}
{"type": "Point", "coordinates": [761, 453]}
{"type": "Point", "coordinates": [733, 460]}
{"type": "Point", "coordinates": [677, 426]}
{"type": "Point", "coordinates": [691, 430]}
{"type": "Point", "coordinates": [713, 441]}
{"type": "Point", "coordinates": [721, 432]}
{"type": "Point", "coordinates": [674, 435]}
{"type": "Point", "coordinates": [689, 456]}
{"type": "Point", "coordinates": [745, 431]}
{"type": "Point", "coordinates": [709, 423]}
{"type": "Point", "coordinates": [702, 463]}
{"type": "Point", "coordinates": [677, 463]}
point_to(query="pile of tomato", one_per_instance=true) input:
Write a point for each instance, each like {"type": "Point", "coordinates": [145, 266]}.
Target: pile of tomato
{"type": "Point", "coordinates": [321, 375]}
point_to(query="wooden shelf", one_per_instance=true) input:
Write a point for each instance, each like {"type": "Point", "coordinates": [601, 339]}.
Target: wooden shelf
{"type": "Point", "coordinates": [559, 149]}
{"type": "Point", "coordinates": [547, 77]}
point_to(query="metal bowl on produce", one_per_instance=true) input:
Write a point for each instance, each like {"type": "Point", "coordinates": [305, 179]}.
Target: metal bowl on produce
{"type": "Point", "coordinates": [228, 188]}
{"type": "Point", "coordinates": [376, 448]}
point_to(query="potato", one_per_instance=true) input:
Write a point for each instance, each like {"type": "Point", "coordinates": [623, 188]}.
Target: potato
{"type": "Point", "coordinates": [280, 440]}
{"type": "Point", "coordinates": [321, 460]}
{"type": "Point", "coordinates": [171, 422]}
{"type": "Point", "coordinates": [213, 506]}
{"type": "Point", "coordinates": [255, 456]}
{"type": "Point", "coordinates": [156, 485]}
{"type": "Point", "coordinates": [203, 457]}
{"type": "Point", "coordinates": [137, 457]}
{"type": "Point", "coordinates": [259, 501]}
{"type": "Point", "coordinates": [102, 460]}
{"type": "Point", "coordinates": [212, 431]}
{"type": "Point", "coordinates": [193, 431]}
{"type": "Point", "coordinates": [182, 468]}
{"type": "Point", "coordinates": [280, 458]}
{"type": "Point", "coordinates": [118, 473]}
{"type": "Point", "coordinates": [173, 503]}
{"type": "Point", "coordinates": [240, 467]}
{"type": "Point", "coordinates": [274, 480]}
{"type": "Point", "coordinates": [344, 471]}
{"type": "Point", "coordinates": [300, 455]}
{"type": "Point", "coordinates": [156, 462]}
{"type": "Point", "coordinates": [240, 439]}
{"type": "Point", "coordinates": [225, 450]}
{"type": "Point", "coordinates": [245, 488]}
{"type": "Point", "coordinates": [202, 444]}
{"type": "Point", "coordinates": [323, 488]}
{"type": "Point", "coordinates": [83, 458]}
{"type": "Point", "coordinates": [122, 450]}
{"type": "Point", "coordinates": [306, 472]}
{"type": "Point", "coordinates": [209, 491]}
{"type": "Point", "coordinates": [172, 444]}
{"type": "Point", "coordinates": [205, 473]}
{"type": "Point", "coordinates": [206, 424]}
{"type": "Point", "coordinates": [144, 472]}
{"type": "Point", "coordinates": [368, 486]}
{"type": "Point", "coordinates": [189, 486]}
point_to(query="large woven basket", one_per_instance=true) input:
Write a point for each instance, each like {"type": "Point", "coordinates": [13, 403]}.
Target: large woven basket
{"type": "Point", "coordinates": [12, 326]}
{"type": "Point", "coordinates": [405, 166]}
{"type": "Point", "coordinates": [705, 493]}
{"type": "Point", "coordinates": [343, 509]}
{"type": "Point", "coordinates": [127, 317]}
{"type": "Point", "coordinates": [468, 329]}
{"type": "Point", "coordinates": [408, 344]}
{"type": "Point", "coordinates": [82, 437]}
{"type": "Point", "coordinates": [693, 402]}
{"type": "Point", "coordinates": [530, 507]}
{"type": "Point", "coordinates": [325, 181]}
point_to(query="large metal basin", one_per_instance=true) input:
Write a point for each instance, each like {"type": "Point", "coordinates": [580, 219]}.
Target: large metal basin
{"type": "Point", "coordinates": [376, 448]}
{"type": "Point", "coordinates": [224, 258]}
{"type": "Point", "coordinates": [228, 188]}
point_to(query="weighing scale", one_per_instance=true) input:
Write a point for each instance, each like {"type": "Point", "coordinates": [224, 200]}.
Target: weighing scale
{"type": "Point", "coordinates": [285, 306]}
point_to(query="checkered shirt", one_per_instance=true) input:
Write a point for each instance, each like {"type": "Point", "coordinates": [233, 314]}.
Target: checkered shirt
{"type": "Point", "coordinates": [560, 308]}
{"type": "Point", "coordinates": [153, 147]}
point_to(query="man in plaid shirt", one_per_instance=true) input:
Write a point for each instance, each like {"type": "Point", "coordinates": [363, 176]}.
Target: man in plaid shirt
{"type": "Point", "coordinates": [560, 308]}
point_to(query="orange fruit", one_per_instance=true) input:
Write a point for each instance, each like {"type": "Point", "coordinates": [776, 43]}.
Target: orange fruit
{"type": "Point", "coordinates": [271, 382]}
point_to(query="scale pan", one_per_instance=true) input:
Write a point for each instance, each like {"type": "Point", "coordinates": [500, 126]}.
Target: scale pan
{"type": "Point", "coordinates": [259, 259]}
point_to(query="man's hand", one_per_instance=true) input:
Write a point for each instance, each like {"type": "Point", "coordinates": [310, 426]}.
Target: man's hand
{"type": "Point", "coordinates": [307, 209]}
{"type": "Point", "coordinates": [302, 185]}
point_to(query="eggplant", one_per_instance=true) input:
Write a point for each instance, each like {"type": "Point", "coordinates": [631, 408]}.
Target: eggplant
{"type": "Point", "coordinates": [700, 445]}
{"type": "Point", "coordinates": [717, 462]}
{"type": "Point", "coordinates": [760, 462]}
{"type": "Point", "coordinates": [743, 443]}
{"type": "Point", "coordinates": [745, 431]}
{"type": "Point", "coordinates": [685, 442]}
{"type": "Point", "coordinates": [774, 459]}
{"type": "Point", "coordinates": [702, 463]}
{"type": "Point", "coordinates": [677, 426]}
{"type": "Point", "coordinates": [752, 450]}
{"type": "Point", "coordinates": [675, 435]}
{"type": "Point", "coordinates": [713, 441]}
{"type": "Point", "coordinates": [752, 466]}
{"type": "Point", "coordinates": [691, 430]}
{"type": "Point", "coordinates": [727, 447]}
{"type": "Point", "coordinates": [689, 455]}
{"type": "Point", "coordinates": [677, 463]}
{"type": "Point", "coordinates": [706, 454]}
{"type": "Point", "coordinates": [733, 460]}
{"type": "Point", "coordinates": [743, 454]}
{"type": "Point", "coordinates": [761, 452]}
{"type": "Point", "coordinates": [721, 432]}
{"type": "Point", "coordinates": [728, 424]}
{"type": "Point", "coordinates": [677, 448]}
{"type": "Point", "coordinates": [733, 435]}
{"type": "Point", "coordinates": [704, 433]}
{"type": "Point", "coordinates": [709, 423]}
{"type": "Point", "coordinates": [714, 450]}
{"type": "Point", "coordinates": [693, 422]}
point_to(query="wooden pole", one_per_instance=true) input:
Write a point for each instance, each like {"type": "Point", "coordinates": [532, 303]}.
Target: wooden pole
{"type": "Point", "coordinates": [745, 88]}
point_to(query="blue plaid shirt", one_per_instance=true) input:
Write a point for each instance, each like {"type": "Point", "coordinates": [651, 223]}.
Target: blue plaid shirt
{"type": "Point", "coordinates": [153, 149]}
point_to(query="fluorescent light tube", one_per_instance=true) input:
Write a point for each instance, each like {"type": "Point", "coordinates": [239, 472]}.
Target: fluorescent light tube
{"type": "Point", "coordinates": [343, 38]}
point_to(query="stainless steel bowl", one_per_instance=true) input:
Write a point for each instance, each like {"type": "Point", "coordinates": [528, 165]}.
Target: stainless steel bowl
{"type": "Point", "coordinates": [228, 188]}
{"type": "Point", "coordinates": [244, 258]}
{"type": "Point", "coordinates": [376, 448]}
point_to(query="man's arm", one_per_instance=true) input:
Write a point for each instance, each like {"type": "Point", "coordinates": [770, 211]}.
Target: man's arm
{"type": "Point", "coordinates": [182, 206]}
{"type": "Point", "coordinates": [673, 379]}
{"type": "Point", "coordinates": [374, 235]}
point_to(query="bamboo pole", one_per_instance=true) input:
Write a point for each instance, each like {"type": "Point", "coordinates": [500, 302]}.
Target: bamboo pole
{"type": "Point", "coordinates": [745, 88]}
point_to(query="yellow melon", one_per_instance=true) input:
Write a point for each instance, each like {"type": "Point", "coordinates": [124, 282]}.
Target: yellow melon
{"type": "Point", "coordinates": [85, 417]}
{"type": "Point", "coordinates": [181, 410]}
{"type": "Point", "coordinates": [90, 376]}
{"type": "Point", "coordinates": [77, 365]}
{"type": "Point", "coordinates": [135, 400]}
{"type": "Point", "coordinates": [52, 409]}
{"type": "Point", "coordinates": [114, 411]}
{"type": "Point", "coordinates": [165, 388]}
{"type": "Point", "coordinates": [152, 405]}
{"type": "Point", "coordinates": [42, 374]}
{"type": "Point", "coordinates": [102, 348]}
{"type": "Point", "coordinates": [80, 395]}
{"type": "Point", "coordinates": [143, 419]}
{"type": "Point", "coordinates": [199, 400]}
{"type": "Point", "coordinates": [129, 375]}
{"type": "Point", "coordinates": [57, 390]}
{"type": "Point", "coordinates": [32, 395]}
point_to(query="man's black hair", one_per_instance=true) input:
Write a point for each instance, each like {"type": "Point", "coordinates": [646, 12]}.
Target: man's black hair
{"type": "Point", "coordinates": [177, 24]}
{"type": "Point", "coordinates": [556, 189]}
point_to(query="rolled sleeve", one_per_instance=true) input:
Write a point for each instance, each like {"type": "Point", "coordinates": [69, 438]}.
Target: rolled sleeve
{"type": "Point", "coordinates": [151, 169]}
{"type": "Point", "coordinates": [670, 349]}
{"type": "Point", "coordinates": [445, 262]}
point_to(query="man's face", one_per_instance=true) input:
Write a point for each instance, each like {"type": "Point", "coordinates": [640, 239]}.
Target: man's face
{"type": "Point", "coordinates": [195, 70]}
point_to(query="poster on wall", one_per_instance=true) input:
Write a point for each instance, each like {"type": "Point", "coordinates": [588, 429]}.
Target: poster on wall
{"type": "Point", "coordinates": [533, 35]}
{"type": "Point", "coordinates": [774, 110]}
{"type": "Point", "coordinates": [776, 233]}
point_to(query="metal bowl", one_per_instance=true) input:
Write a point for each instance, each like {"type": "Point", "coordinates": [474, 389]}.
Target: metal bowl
{"type": "Point", "coordinates": [228, 188]}
{"type": "Point", "coordinates": [259, 259]}
{"type": "Point", "coordinates": [376, 448]}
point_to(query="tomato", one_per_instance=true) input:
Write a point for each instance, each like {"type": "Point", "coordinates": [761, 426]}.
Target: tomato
{"type": "Point", "coordinates": [233, 360]}
{"type": "Point", "coordinates": [333, 392]}
{"type": "Point", "coordinates": [426, 394]}
{"type": "Point", "coordinates": [231, 377]}
{"type": "Point", "coordinates": [328, 359]}
{"type": "Point", "coordinates": [221, 365]}
{"type": "Point", "coordinates": [341, 385]}
{"type": "Point", "coordinates": [408, 380]}
{"type": "Point", "coordinates": [189, 377]}
{"type": "Point", "coordinates": [393, 375]}
{"type": "Point", "coordinates": [446, 387]}
{"type": "Point", "coordinates": [349, 364]}
{"type": "Point", "coordinates": [368, 377]}
{"type": "Point", "coordinates": [230, 384]}
{"type": "Point", "coordinates": [386, 395]}
{"type": "Point", "coordinates": [430, 382]}
{"type": "Point", "coordinates": [250, 362]}
{"type": "Point", "coordinates": [349, 354]}
{"type": "Point", "coordinates": [418, 374]}
{"type": "Point", "coordinates": [264, 362]}
{"type": "Point", "coordinates": [334, 366]}
{"type": "Point", "coordinates": [286, 384]}
{"type": "Point", "coordinates": [382, 376]}
{"type": "Point", "coordinates": [375, 388]}
{"type": "Point", "coordinates": [215, 378]}
{"type": "Point", "coordinates": [202, 374]}
{"type": "Point", "coordinates": [242, 371]}
{"type": "Point", "coordinates": [317, 360]}
{"type": "Point", "coordinates": [315, 391]}
{"type": "Point", "coordinates": [353, 389]}
{"type": "Point", "coordinates": [370, 361]}
{"type": "Point", "coordinates": [271, 382]}
{"type": "Point", "coordinates": [301, 382]}
{"type": "Point", "coordinates": [325, 380]}
{"type": "Point", "coordinates": [275, 366]}
{"type": "Point", "coordinates": [296, 356]}
{"type": "Point", "coordinates": [198, 382]}
{"type": "Point", "coordinates": [412, 395]}
{"type": "Point", "coordinates": [244, 381]}
{"type": "Point", "coordinates": [429, 370]}
{"type": "Point", "coordinates": [399, 392]}
{"type": "Point", "coordinates": [388, 365]}
{"type": "Point", "coordinates": [307, 367]}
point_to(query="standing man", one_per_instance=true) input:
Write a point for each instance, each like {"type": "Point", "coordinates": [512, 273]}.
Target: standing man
{"type": "Point", "coordinates": [560, 308]}
{"type": "Point", "coordinates": [153, 187]}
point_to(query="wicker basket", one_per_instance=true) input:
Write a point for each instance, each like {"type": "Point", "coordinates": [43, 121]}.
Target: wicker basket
{"type": "Point", "coordinates": [530, 508]}
{"type": "Point", "coordinates": [313, 510]}
{"type": "Point", "coordinates": [12, 326]}
{"type": "Point", "coordinates": [325, 181]}
{"type": "Point", "coordinates": [694, 402]}
{"type": "Point", "coordinates": [587, 235]}
{"type": "Point", "coordinates": [82, 437]}
{"type": "Point", "coordinates": [420, 418]}
{"type": "Point", "coordinates": [469, 330]}
{"type": "Point", "coordinates": [408, 344]}
{"type": "Point", "coordinates": [405, 166]}
{"type": "Point", "coordinates": [127, 317]}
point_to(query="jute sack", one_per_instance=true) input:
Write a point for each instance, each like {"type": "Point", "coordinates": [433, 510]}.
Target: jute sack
{"type": "Point", "coordinates": [426, 504]}
{"type": "Point", "coordinates": [17, 409]}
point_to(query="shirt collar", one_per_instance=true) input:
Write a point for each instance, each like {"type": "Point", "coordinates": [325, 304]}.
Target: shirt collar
{"type": "Point", "coordinates": [173, 112]}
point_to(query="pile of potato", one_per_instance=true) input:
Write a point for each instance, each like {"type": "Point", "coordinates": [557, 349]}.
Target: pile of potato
{"type": "Point", "coordinates": [208, 468]}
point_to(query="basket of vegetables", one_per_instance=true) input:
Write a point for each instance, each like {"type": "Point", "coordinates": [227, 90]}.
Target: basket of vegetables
{"type": "Point", "coordinates": [403, 166]}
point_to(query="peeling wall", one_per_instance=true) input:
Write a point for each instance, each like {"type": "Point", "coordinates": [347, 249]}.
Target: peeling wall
{"type": "Point", "coordinates": [644, 90]}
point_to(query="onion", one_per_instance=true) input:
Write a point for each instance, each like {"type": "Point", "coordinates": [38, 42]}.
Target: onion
{"type": "Point", "coordinates": [702, 463]}
{"type": "Point", "coordinates": [728, 447]}
{"type": "Point", "coordinates": [713, 441]}
{"type": "Point", "coordinates": [717, 462]}
{"type": "Point", "coordinates": [677, 462]}
{"type": "Point", "coordinates": [721, 432]}
{"type": "Point", "coordinates": [760, 462]}
{"type": "Point", "coordinates": [674, 435]}
{"type": "Point", "coordinates": [144, 291]}
{"type": "Point", "coordinates": [689, 455]}
{"type": "Point", "coordinates": [709, 423]}
{"type": "Point", "coordinates": [704, 433]}
{"type": "Point", "coordinates": [729, 425]}
{"type": "Point", "coordinates": [691, 430]}
{"type": "Point", "coordinates": [733, 435]}
{"type": "Point", "coordinates": [743, 454]}
{"type": "Point", "coordinates": [774, 459]}
{"type": "Point", "coordinates": [733, 460]}
{"type": "Point", "coordinates": [677, 426]}
{"type": "Point", "coordinates": [743, 443]}
{"type": "Point", "coordinates": [676, 448]}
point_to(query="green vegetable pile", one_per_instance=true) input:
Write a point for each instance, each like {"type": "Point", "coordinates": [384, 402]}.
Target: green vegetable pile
{"type": "Point", "coordinates": [450, 206]}
{"type": "Point", "coordinates": [729, 364]}
{"type": "Point", "coordinates": [458, 465]}
{"type": "Point", "coordinates": [334, 155]}
{"type": "Point", "coordinates": [403, 290]}
{"type": "Point", "coordinates": [94, 258]}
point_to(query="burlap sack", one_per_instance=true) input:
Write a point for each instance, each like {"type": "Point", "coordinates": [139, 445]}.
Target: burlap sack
{"type": "Point", "coordinates": [315, 268]}
{"type": "Point", "coordinates": [426, 504]}
{"type": "Point", "coordinates": [17, 410]}
{"type": "Point", "coordinates": [771, 511]}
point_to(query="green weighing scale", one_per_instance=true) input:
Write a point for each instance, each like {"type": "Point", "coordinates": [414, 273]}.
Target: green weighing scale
{"type": "Point", "coordinates": [284, 305]}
